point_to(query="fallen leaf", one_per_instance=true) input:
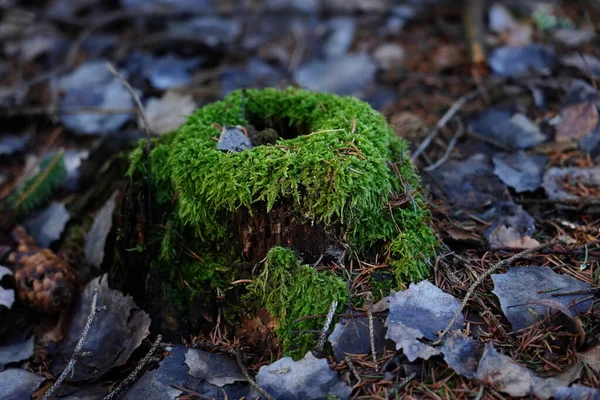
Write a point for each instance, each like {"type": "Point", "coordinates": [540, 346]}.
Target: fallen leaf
{"type": "Point", "coordinates": [521, 287]}
{"type": "Point", "coordinates": [507, 376]}
{"type": "Point", "coordinates": [351, 335]}
{"type": "Point", "coordinates": [7, 296]}
{"type": "Point", "coordinates": [93, 85]}
{"type": "Point", "coordinates": [158, 383]}
{"type": "Point", "coordinates": [49, 224]}
{"type": "Point", "coordinates": [169, 112]}
{"type": "Point", "coordinates": [586, 63]}
{"type": "Point", "coordinates": [234, 140]}
{"type": "Point", "coordinates": [482, 362]}
{"type": "Point", "coordinates": [309, 378]}
{"type": "Point", "coordinates": [15, 350]}
{"type": "Point", "coordinates": [574, 37]}
{"type": "Point", "coordinates": [510, 30]}
{"type": "Point", "coordinates": [420, 311]}
{"type": "Point", "coordinates": [577, 121]}
{"type": "Point", "coordinates": [12, 144]}
{"type": "Point", "coordinates": [115, 333]}
{"type": "Point", "coordinates": [519, 170]}
{"type": "Point", "coordinates": [556, 178]}
{"type": "Point", "coordinates": [522, 60]}
{"type": "Point", "coordinates": [447, 56]}
{"type": "Point", "coordinates": [514, 131]}
{"type": "Point", "coordinates": [577, 392]}
{"type": "Point", "coordinates": [173, 370]}
{"type": "Point", "coordinates": [470, 183]}
{"type": "Point", "coordinates": [512, 227]}
{"type": "Point", "coordinates": [258, 331]}
{"type": "Point", "coordinates": [18, 384]}
{"type": "Point", "coordinates": [96, 238]}
{"type": "Point", "coordinates": [592, 357]}
{"type": "Point", "coordinates": [342, 75]}
{"type": "Point", "coordinates": [216, 369]}
{"type": "Point", "coordinates": [462, 353]}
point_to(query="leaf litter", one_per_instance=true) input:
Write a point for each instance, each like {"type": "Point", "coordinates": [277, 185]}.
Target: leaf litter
{"type": "Point", "coordinates": [538, 129]}
{"type": "Point", "coordinates": [121, 328]}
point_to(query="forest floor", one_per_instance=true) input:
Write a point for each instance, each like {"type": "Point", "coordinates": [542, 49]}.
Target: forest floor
{"type": "Point", "coordinates": [501, 105]}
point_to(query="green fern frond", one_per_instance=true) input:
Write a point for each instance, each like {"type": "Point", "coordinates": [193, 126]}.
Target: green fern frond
{"type": "Point", "coordinates": [38, 188]}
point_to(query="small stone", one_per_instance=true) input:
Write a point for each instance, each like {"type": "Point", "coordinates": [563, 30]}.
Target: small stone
{"type": "Point", "coordinates": [389, 55]}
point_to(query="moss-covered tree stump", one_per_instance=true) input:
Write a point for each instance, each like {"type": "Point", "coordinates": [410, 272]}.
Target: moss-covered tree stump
{"type": "Point", "coordinates": [336, 181]}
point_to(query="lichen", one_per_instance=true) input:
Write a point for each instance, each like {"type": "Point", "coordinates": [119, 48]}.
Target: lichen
{"type": "Point", "coordinates": [344, 167]}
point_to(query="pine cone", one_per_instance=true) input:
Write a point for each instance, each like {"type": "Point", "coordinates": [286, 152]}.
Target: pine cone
{"type": "Point", "coordinates": [44, 282]}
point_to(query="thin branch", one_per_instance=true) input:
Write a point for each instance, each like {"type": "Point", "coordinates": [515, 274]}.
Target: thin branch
{"type": "Point", "coordinates": [77, 351]}
{"type": "Point", "coordinates": [371, 330]}
{"type": "Point", "coordinates": [482, 277]}
{"type": "Point", "coordinates": [249, 379]}
{"type": "Point", "coordinates": [193, 393]}
{"type": "Point", "coordinates": [133, 376]}
{"type": "Point", "coordinates": [580, 291]}
{"type": "Point", "coordinates": [136, 98]}
{"type": "Point", "coordinates": [54, 110]}
{"type": "Point", "coordinates": [451, 145]}
{"type": "Point", "coordinates": [451, 113]}
{"type": "Point", "coordinates": [328, 320]}
{"type": "Point", "coordinates": [145, 127]}
{"type": "Point", "coordinates": [352, 368]}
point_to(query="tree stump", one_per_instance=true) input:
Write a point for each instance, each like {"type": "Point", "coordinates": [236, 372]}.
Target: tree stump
{"type": "Point", "coordinates": [325, 176]}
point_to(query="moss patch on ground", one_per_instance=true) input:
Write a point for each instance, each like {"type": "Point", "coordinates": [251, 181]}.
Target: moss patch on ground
{"type": "Point", "coordinates": [337, 163]}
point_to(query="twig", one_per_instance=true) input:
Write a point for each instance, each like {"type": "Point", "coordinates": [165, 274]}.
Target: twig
{"type": "Point", "coordinates": [145, 127]}
{"type": "Point", "coordinates": [352, 368]}
{"type": "Point", "coordinates": [77, 351]}
{"type": "Point", "coordinates": [484, 275]}
{"type": "Point", "coordinates": [404, 382]}
{"type": "Point", "coordinates": [54, 110]}
{"type": "Point", "coordinates": [574, 202]}
{"type": "Point", "coordinates": [133, 376]}
{"type": "Point", "coordinates": [136, 98]}
{"type": "Point", "coordinates": [192, 392]}
{"type": "Point", "coordinates": [248, 378]}
{"type": "Point", "coordinates": [328, 320]}
{"type": "Point", "coordinates": [451, 113]}
{"type": "Point", "coordinates": [73, 51]}
{"type": "Point", "coordinates": [451, 145]}
{"type": "Point", "coordinates": [371, 330]}
{"type": "Point", "coordinates": [580, 291]}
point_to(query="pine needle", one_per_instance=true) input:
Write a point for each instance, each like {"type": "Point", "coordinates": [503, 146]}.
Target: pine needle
{"type": "Point", "coordinates": [40, 187]}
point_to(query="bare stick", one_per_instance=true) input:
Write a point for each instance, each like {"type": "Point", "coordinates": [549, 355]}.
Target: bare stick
{"type": "Point", "coordinates": [77, 351]}
{"type": "Point", "coordinates": [323, 335]}
{"type": "Point", "coordinates": [450, 114]}
{"type": "Point", "coordinates": [352, 368]}
{"type": "Point", "coordinates": [451, 145]}
{"type": "Point", "coordinates": [371, 331]}
{"type": "Point", "coordinates": [145, 127]}
{"type": "Point", "coordinates": [481, 278]}
{"type": "Point", "coordinates": [260, 390]}
{"type": "Point", "coordinates": [136, 98]}
{"type": "Point", "coordinates": [133, 376]}
{"type": "Point", "coordinates": [580, 291]}
{"type": "Point", "coordinates": [52, 110]}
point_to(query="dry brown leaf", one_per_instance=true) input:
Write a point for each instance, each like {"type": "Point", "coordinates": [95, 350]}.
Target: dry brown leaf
{"type": "Point", "coordinates": [577, 121]}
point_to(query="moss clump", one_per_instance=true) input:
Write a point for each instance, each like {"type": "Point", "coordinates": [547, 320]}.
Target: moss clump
{"type": "Point", "coordinates": [337, 164]}
{"type": "Point", "coordinates": [289, 291]}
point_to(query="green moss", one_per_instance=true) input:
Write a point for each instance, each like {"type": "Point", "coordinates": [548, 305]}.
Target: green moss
{"type": "Point", "coordinates": [289, 291]}
{"type": "Point", "coordinates": [340, 172]}
{"type": "Point", "coordinates": [338, 163]}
